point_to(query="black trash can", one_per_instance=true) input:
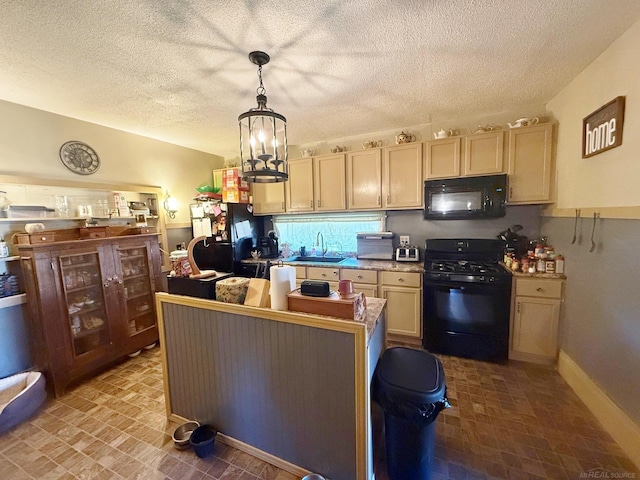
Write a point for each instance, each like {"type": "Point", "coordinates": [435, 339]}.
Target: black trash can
{"type": "Point", "coordinates": [410, 387]}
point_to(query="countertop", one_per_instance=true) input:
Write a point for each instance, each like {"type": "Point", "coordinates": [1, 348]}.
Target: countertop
{"type": "Point", "coordinates": [560, 276]}
{"type": "Point", "coordinates": [353, 263]}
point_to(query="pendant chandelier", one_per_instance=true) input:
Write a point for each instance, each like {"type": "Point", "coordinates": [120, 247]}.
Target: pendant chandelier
{"type": "Point", "coordinates": [263, 137]}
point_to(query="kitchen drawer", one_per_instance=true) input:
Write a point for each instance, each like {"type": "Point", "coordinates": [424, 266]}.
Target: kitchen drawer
{"type": "Point", "coordinates": [323, 273]}
{"type": "Point", "coordinates": [359, 276]}
{"type": "Point", "coordinates": [301, 272]}
{"type": "Point", "coordinates": [402, 279]}
{"type": "Point", "coordinates": [538, 287]}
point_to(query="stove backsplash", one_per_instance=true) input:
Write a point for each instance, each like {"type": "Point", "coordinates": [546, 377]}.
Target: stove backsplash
{"type": "Point", "coordinates": [411, 222]}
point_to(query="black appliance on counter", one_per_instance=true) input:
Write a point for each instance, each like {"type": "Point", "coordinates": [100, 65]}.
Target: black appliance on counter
{"type": "Point", "coordinates": [467, 299]}
{"type": "Point", "coordinates": [465, 198]}
{"type": "Point", "coordinates": [196, 287]}
{"type": "Point", "coordinates": [268, 246]}
{"type": "Point", "coordinates": [231, 236]}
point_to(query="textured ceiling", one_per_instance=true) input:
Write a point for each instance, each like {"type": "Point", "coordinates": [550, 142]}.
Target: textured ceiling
{"type": "Point", "coordinates": [177, 70]}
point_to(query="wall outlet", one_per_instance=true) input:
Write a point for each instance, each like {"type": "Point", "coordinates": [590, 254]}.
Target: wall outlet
{"type": "Point", "coordinates": [404, 240]}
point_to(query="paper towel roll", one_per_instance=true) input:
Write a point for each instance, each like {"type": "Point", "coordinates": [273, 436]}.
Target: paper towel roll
{"type": "Point", "coordinates": [283, 280]}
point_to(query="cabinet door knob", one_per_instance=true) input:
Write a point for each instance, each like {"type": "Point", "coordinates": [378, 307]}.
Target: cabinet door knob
{"type": "Point", "coordinates": [360, 276]}
{"type": "Point", "coordinates": [539, 289]}
{"type": "Point", "coordinates": [401, 279]}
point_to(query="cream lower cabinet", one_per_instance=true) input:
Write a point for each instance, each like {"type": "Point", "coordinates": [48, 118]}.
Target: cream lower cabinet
{"type": "Point", "coordinates": [301, 274]}
{"type": "Point", "coordinates": [327, 274]}
{"type": "Point", "coordinates": [403, 293]}
{"type": "Point", "coordinates": [535, 319]}
{"type": "Point", "coordinates": [365, 281]}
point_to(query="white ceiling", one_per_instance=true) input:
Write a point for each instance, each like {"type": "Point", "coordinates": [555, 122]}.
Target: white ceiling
{"type": "Point", "coordinates": [178, 70]}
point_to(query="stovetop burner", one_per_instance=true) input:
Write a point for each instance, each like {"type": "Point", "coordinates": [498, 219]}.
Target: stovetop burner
{"type": "Point", "coordinates": [464, 266]}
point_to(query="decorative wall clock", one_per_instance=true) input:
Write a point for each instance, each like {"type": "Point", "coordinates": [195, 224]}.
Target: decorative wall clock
{"type": "Point", "coordinates": [79, 157]}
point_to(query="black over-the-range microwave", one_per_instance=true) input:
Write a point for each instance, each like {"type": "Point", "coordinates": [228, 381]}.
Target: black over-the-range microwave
{"type": "Point", "coordinates": [465, 198]}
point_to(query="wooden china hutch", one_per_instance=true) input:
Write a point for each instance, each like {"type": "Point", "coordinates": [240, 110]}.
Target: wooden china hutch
{"type": "Point", "coordinates": [90, 300]}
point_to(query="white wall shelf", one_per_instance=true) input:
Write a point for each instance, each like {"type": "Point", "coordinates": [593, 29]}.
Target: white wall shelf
{"type": "Point", "coordinates": [13, 300]}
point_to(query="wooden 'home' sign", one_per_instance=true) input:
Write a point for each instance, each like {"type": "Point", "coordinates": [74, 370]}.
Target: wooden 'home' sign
{"type": "Point", "coordinates": [602, 129]}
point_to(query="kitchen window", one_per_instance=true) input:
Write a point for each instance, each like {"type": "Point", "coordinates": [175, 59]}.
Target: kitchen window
{"type": "Point", "coordinates": [338, 230]}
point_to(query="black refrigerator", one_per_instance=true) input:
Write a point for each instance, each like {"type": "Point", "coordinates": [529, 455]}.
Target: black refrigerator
{"type": "Point", "coordinates": [232, 231]}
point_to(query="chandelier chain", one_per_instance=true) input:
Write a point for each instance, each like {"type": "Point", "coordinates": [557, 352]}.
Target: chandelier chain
{"type": "Point", "coordinates": [260, 90]}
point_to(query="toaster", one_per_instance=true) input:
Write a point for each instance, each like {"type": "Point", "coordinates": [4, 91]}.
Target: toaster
{"type": "Point", "coordinates": [407, 254]}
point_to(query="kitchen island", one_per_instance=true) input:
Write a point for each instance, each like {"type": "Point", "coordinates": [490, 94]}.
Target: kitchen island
{"type": "Point", "coordinates": [287, 387]}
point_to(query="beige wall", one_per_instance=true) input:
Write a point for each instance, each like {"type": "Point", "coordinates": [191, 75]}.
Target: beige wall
{"type": "Point", "coordinates": [30, 140]}
{"type": "Point", "coordinates": [600, 315]}
{"type": "Point", "coordinates": [611, 178]}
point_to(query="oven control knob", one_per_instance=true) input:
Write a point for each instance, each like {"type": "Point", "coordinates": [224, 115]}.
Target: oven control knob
{"type": "Point", "coordinates": [481, 278]}
{"type": "Point", "coordinates": [491, 279]}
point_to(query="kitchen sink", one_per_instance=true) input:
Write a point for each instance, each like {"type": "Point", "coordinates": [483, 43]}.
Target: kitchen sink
{"type": "Point", "coordinates": [315, 259]}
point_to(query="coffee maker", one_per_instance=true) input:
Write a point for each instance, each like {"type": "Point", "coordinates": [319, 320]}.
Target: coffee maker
{"type": "Point", "coordinates": [268, 246]}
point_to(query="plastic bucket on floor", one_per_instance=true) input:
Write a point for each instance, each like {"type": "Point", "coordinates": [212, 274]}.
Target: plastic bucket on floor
{"type": "Point", "coordinates": [202, 439]}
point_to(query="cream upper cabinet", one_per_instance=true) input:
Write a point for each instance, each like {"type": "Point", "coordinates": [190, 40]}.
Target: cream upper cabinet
{"type": "Point", "coordinates": [402, 176]}
{"type": "Point", "coordinates": [330, 182]}
{"type": "Point", "coordinates": [299, 187]}
{"type": "Point", "coordinates": [316, 184]}
{"type": "Point", "coordinates": [268, 197]}
{"type": "Point", "coordinates": [535, 319]}
{"type": "Point", "coordinates": [442, 158]}
{"type": "Point", "coordinates": [364, 179]}
{"type": "Point", "coordinates": [483, 153]}
{"type": "Point", "coordinates": [530, 164]}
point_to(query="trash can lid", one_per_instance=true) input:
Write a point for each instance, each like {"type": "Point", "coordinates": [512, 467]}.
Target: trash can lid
{"type": "Point", "coordinates": [411, 374]}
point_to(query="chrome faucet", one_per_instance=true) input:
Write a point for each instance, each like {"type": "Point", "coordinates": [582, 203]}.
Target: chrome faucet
{"type": "Point", "coordinates": [320, 243]}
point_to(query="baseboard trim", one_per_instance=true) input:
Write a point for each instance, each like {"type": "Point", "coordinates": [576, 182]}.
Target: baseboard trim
{"type": "Point", "coordinates": [244, 447]}
{"type": "Point", "coordinates": [264, 456]}
{"type": "Point", "coordinates": [614, 420]}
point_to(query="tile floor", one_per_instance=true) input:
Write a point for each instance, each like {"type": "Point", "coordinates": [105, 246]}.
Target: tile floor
{"type": "Point", "coordinates": [515, 421]}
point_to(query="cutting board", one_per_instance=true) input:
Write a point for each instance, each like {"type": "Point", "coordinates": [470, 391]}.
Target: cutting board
{"type": "Point", "coordinates": [334, 306]}
{"type": "Point", "coordinates": [257, 293]}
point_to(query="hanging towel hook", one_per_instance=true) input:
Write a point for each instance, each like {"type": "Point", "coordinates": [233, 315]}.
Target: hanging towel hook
{"type": "Point", "coordinates": [593, 231]}
{"type": "Point", "coordinates": [575, 226]}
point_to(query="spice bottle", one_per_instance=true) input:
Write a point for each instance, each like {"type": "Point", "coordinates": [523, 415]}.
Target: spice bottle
{"type": "Point", "coordinates": [559, 264]}
{"type": "Point", "coordinates": [550, 265]}
{"type": "Point", "coordinates": [515, 265]}
{"type": "Point", "coordinates": [541, 265]}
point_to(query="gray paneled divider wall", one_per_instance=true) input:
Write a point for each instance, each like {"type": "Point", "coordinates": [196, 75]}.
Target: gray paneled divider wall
{"type": "Point", "coordinates": [284, 388]}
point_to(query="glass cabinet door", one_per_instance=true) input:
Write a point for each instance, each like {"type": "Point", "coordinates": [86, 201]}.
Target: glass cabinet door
{"type": "Point", "coordinates": [85, 301]}
{"type": "Point", "coordinates": [138, 294]}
